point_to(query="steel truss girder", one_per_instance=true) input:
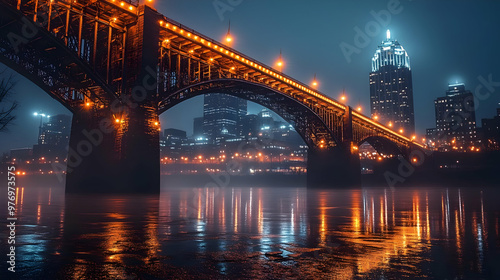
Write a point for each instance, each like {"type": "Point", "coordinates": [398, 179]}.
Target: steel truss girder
{"type": "Point", "coordinates": [48, 62]}
{"type": "Point", "coordinates": [305, 121]}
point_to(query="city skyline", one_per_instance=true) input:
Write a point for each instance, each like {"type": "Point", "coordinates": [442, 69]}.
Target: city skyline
{"type": "Point", "coordinates": [302, 65]}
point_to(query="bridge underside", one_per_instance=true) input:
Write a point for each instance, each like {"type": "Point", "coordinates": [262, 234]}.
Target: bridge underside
{"type": "Point", "coordinates": [308, 124]}
{"type": "Point", "coordinates": [29, 49]}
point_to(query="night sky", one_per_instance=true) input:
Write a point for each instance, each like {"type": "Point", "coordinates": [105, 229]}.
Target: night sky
{"type": "Point", "coordinates": [447, 41]}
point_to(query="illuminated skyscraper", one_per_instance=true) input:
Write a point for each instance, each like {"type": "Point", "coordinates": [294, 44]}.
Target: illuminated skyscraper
{"type": "Point", "coordinates": [391, 88]}
{"type": "Point", "coordinates": [222, 115]}
{"type": "Point", "coordinates": [456, 117]}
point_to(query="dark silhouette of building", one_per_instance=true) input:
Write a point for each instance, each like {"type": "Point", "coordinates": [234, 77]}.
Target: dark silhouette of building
{"type": "Point", "coordinates": [490, 132]}
{"type": "Point", "coordinates": [391, 88]}
{"type": "Point", "coordinates": [53, 138]}
{"type": "Point", "coordinates": [222, 115]}
{"type": "Point", "coordinates": [250, 126]}
{"type": "Point", "coordinates": [20, 155]}
{"type": "Point", "coordinates": [198, 127]}
{"type": "Point", "coordinates": [455, 118]}
{"type": "Point", "coordinates": [174, 136]}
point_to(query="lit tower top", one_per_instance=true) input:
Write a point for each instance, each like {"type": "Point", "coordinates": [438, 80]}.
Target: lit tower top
{"type": "Point", "coordinates": [390, 52]}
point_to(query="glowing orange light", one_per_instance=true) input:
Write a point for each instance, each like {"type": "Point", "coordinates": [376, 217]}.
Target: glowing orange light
{"type": "Point", "coordinates": [390, 124]}
{"type": "Point", "coordinates": [117, 120]}
{"type": "Point", "coordinates": [156, 123]}
{"type": "Point", "coordinates": [315, 82]}
{"type": "Point", "coordinates": [343, 98]}
{"type": "Point", "coordinates": [401, 130]}
{"type": "Point", "coordinates": [280, 62]}
{"type": "Point", "coordinates": [414, 160]}
{"type": "Point", "coordinates": [375, 117]}
{"type": "Point", "coordinates": [229, 38]}
{"type": "Point", "coordinates": [359, 109]}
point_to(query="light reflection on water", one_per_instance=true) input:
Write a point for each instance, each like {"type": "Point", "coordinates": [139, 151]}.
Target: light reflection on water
{"type": "Point", "coordinates": [259, 232]}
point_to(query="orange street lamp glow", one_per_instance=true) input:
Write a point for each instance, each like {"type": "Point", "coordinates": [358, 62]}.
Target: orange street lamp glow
{"type": "Point", "coordinates": [413, 137]}
{"type": "Point", "coordinates": [375, 117]}
{"type": "Point", "coordinates": [229, 38]}
{"type": "Point", "coordinates": [390, 124]}
{"type": "Point", "coordinates": [280, 63]}
{"type": "Point", "coordinates": [343, 97]}
{"type": "Point", "coordinates": [315, 82]}
{"type": "Point", "coordinates": [401, 130]}
{"type": "Point", "coordinates": [359, 109]}
{"type": "Point", "coordinates": [117, 120]}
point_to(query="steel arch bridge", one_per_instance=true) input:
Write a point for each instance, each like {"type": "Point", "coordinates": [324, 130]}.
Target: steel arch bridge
{"type": "Point", "coordinates": [118, 65]}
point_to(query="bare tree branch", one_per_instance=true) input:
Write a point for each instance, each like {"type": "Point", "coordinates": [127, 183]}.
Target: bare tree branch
{"type": "Point", "coordinates": [7, 106]}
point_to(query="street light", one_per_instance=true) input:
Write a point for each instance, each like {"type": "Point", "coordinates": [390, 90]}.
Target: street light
{"type": "Point", "coordinates": [343, 97]}
{"type": "Point", "coordinates": [229, 38]}
{"type": "Point", "coordinates": [280, 62]}
{"type": "Point", "coordinates": [315, 82]}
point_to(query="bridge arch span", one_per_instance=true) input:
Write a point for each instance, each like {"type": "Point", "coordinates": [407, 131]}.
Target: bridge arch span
{"type": "Point", "coordinates": [313, 130]}
{"type": "Point", "coordinates": [383, 145]}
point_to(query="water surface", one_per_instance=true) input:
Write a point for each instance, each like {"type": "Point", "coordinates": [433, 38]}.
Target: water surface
{"type": "Point", "coordinates": [193, 232]}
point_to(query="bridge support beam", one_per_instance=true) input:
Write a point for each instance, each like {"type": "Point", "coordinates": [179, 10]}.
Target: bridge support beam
{"type": "Point", "coordinates": [114, 153]}
{"type": "Point", "coordinates": [337, 167]}
{"type": "Point", "coordinates": [116, 149]}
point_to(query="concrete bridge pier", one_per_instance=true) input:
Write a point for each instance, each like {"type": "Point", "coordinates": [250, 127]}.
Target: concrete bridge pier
{"type": "Point", "coordinates": [337, 167]}
{"type": "Point", "coordinates": [114, 153]}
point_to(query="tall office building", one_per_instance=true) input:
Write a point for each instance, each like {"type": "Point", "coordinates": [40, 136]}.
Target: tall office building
{"type": "Point", "coordinates": [222, 115]}
{"type": "Point", "coordinates": [455, 117]}
{"type": "Point", "coordinates": [53, 137]}
{"type": "Point", "coordinates": [197, 127]}
{"type": "Point", "coordinates": [391, 89]}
